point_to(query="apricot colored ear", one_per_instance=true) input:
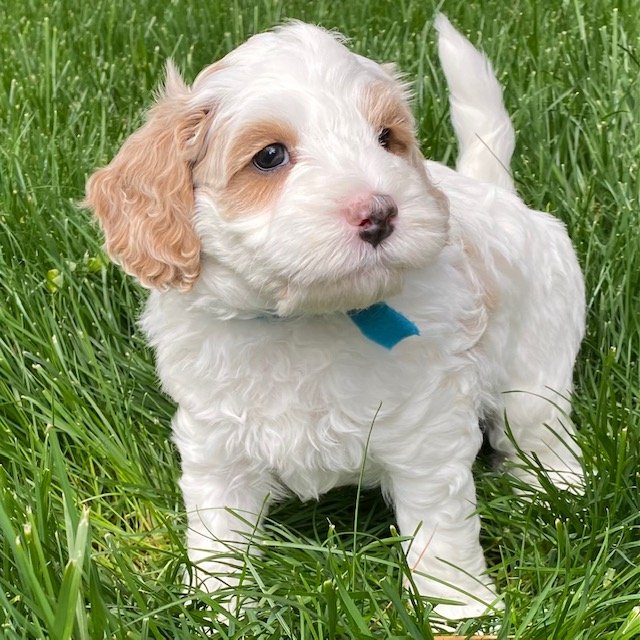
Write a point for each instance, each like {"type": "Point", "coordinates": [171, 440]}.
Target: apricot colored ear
{"type": "Point", "coordinates": [144, 198]}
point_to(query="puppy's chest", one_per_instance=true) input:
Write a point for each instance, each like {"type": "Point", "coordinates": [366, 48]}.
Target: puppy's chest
{"type": "Point", "coordinates": [301, 398]}
{"type": "Point", "coordinates": [310, 418]}
{"type": "Point", "coordinates": [323, 387]}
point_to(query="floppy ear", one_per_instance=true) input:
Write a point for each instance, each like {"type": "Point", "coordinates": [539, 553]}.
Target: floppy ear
{"type": "Point", "coordinates": [144, 198]}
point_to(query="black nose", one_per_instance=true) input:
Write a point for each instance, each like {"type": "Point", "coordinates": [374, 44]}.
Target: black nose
{"type": "Point", "coordinates": [378, 224]}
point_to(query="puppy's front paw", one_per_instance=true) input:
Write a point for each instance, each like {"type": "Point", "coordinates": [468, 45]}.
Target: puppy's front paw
{"type": "Point", "coordinates": [220, 584]}
{"type": "Point", "coordinates": [218, 578]}
{"type": "Point", "coordinates": [480, 599]}
{"type": "Point", "coordinates": [477, 598]}
{"type": "Point", "coordinates": [468, 610]}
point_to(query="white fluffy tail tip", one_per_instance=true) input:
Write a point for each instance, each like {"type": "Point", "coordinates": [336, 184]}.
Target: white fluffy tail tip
{"type": "Point", "coordinates": [485, 134]}
{"type": "Point", "coordinates": [443, 25]}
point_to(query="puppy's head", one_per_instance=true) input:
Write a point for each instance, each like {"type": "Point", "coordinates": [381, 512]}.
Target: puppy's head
{"type": "Point", "coordinates": [289, 172]}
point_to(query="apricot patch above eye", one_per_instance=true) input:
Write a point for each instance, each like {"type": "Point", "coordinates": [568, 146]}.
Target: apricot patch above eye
{"type": "Point", "coordinates": [271, 157]}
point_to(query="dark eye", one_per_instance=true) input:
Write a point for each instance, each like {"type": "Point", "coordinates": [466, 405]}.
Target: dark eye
{"type": "Point", "coordinates": [384, 138]}
{"type": "Point", "coordinates": [271, 157]}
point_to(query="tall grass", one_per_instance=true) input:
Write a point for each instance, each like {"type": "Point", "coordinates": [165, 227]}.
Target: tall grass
{"type": "Point", "coordinates": [91, 523]}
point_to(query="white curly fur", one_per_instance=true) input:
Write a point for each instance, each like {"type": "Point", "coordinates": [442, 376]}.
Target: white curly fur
{"type": "Point", "coordinates": [276, 386]}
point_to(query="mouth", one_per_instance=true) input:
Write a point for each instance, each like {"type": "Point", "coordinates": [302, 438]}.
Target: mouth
{"type": "Point", "coordinates": [358, 289]}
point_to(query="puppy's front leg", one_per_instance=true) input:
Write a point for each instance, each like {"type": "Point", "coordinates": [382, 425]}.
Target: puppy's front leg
{"type": "Point", "coordinates": [445, 555]}
{"type": "Point", "coordinates": [434, 497]}
{"type": "Point", "coordinates": [225, 496]}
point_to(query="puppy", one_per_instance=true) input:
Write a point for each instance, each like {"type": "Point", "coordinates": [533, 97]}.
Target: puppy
{"type": "Point", "coordinates": [308, 268]}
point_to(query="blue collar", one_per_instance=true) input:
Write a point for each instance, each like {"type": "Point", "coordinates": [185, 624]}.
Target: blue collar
{"type": "Point", "coordinates": [383, 325]}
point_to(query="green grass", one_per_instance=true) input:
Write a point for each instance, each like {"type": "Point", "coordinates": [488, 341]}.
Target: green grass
{"type": "Point", "coordinates": [91, 522]}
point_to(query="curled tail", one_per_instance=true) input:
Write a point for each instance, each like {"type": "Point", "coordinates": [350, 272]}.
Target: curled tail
{"type": "Point", "coordinates": [485, 134]}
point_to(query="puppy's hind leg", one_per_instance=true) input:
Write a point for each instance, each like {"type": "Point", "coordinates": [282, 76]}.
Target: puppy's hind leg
{"type": "Point", "coordinates": [533, 401]}
{"type": "Point", "coordinates": [536, 423]}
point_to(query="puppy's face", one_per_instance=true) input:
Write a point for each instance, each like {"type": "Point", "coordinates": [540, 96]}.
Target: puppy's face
{"type": "Point", "coordinates": [291, 165]}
